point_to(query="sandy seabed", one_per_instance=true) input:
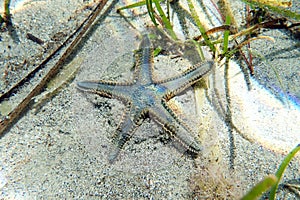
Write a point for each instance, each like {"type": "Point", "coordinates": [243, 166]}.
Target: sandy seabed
{"type": "Point", "coordinates": [61, 150]}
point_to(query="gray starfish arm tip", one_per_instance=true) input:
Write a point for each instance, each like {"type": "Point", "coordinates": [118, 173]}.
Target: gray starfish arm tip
{"type": "Point", "coordinates": [191, 146]}
{"type": "Point", "coordinates": [196, 147]}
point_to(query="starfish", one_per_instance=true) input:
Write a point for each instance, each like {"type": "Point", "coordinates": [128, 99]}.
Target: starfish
{"type": "Point", "coordinates": [146, 97]}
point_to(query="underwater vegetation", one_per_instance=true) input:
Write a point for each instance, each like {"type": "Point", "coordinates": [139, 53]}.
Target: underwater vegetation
{"type": "Point", "coordinates": [11, 115]}
{"type": "Point", "coordinates": [272, 181]}
{"type": "Point", "coordinates": [6, 18]}
{"type": "Point", "coordinates": [270, 15]}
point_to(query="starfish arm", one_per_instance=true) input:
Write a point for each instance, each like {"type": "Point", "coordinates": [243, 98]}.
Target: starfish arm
{"type": "Point", "coordinates": [126, 129]}
{"type": "Point", "coordinates": [179, 83]}
{"type": "Point", "coordinates": [176, 128]}
{"type": "Point", "coordinates": [106, 88]}
{"type": "Point", "coordinates": [144, 62]}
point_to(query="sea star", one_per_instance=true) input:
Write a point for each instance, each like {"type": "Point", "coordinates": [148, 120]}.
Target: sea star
{"type": "Point", "coordinates": [147, 98]}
